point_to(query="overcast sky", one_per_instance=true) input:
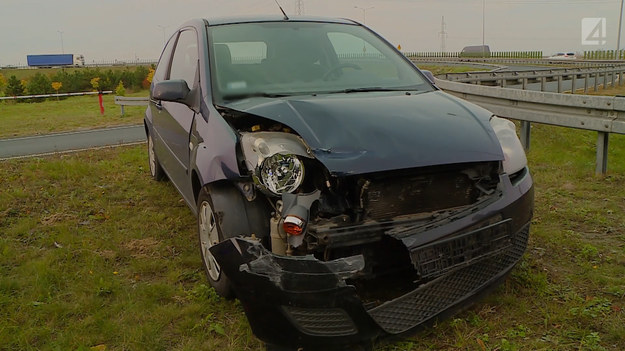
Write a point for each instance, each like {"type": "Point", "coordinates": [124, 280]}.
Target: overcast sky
{"type": "Point", "coordinates": [128, 29]}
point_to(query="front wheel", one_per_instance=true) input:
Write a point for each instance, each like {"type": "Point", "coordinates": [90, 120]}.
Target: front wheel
{"type": "Point", "coordinates": [209, 232]}
{"type": "Point", "coordinates": [156, 171]}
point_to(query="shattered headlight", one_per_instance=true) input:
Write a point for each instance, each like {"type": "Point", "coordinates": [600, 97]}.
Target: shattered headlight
{"type": "Point", "coordinates": [514, 155]}
{"type": "Point", "coordinates": [276, 160]}
{"type": "Point", "coordinates": [282, 173]}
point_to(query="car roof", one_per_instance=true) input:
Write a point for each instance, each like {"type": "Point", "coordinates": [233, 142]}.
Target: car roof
{"type": "Point", "coordinates": [274, 18]}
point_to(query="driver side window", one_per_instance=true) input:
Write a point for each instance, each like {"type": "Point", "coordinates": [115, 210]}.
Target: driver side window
{"type": "Point", "coordinates": [184, 63]}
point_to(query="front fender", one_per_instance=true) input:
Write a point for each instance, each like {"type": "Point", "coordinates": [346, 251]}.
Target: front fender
{"type": "Point", "coordinates": [219, 161]}
{"type": "Point", "coordinates": [236, 215]}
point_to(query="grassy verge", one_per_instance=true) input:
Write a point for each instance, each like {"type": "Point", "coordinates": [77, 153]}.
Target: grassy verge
{"type": "Point", "coordinates": [78, 112]}
{"type": "Point", "coordinates": [94, 253]}
{"type": "Point", "coordinates": [610, 91]}
{"type": "Point", "coordinates": [442, 69]}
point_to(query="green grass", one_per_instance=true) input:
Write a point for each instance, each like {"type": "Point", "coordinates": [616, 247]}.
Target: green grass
{"type": "Point", "coordinates": [610, 91]}
{"type": "Point", "coordinates": [93, 252]}
{"type": "Point", "coordinates": [442, 69]}
{"type": "Point", "coordinates": [65, 114]}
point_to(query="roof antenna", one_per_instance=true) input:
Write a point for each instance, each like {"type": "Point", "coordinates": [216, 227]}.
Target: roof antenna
{"type": "Point", "coordinates": [284, 13]}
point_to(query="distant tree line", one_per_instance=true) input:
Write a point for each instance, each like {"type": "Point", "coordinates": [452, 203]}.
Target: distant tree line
{"type": "Point", "coordinates": [78, 80]}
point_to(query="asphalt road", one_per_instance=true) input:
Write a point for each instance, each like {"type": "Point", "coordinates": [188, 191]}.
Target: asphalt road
{"type": "Point", "coordinates": [71, 141]}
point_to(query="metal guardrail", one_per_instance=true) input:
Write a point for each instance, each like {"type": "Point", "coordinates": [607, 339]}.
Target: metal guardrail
{"type": "Point", "coordinates": [523, 61]}
{"type": "Point", "coordinates": [503, 79]}
{"type": "Point", "coordinates": [43, 96]}
{"type": "Point", "coordinates": [603, 114]}
{"type": "Point", "coordinates": [130, 101]}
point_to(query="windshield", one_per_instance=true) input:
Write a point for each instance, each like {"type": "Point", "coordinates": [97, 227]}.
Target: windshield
{"type": "Point", "coordinates": [294, 58]}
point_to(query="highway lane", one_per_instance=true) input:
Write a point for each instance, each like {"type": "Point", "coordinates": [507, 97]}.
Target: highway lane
{"type": "Point", "coordinates": [70, 141]}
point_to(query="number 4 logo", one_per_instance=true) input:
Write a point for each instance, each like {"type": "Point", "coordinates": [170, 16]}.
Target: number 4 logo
{"type": "Point", "coordinates": [594, 31]}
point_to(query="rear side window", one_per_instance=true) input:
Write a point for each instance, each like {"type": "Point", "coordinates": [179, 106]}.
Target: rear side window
{"type": "Point", "coordinates": [184, 62]}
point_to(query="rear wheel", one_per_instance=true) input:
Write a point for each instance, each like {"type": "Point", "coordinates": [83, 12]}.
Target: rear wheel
{"type": "Point", "coordinates": [155, 167]}
{"type": "Point", "coordinates": [209, 232]}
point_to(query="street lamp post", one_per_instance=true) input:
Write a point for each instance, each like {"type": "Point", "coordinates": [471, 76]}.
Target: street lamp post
{"type": "Point", "coordinates": [364, 21]}
{"type": "Point", "coordinates": [483, 28]}
{"type": "Point", "coordinates": [618, 40]}
{"type": "Point", "coordinates": [163, 28]}
{"type": "Point", "coordinates": [364, 12]}
{"type": "Point", "coordinates": [61, 34]}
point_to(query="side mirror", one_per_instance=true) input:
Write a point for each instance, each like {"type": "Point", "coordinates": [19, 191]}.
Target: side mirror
{"type": "Point", "coordinates": [429, 75]}
{"type": "Point", "coordinates": [175, 90]}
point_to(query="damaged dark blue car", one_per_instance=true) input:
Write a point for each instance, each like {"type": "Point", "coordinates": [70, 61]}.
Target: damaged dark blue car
{"type": "Point", "coordinates": [340, 195]}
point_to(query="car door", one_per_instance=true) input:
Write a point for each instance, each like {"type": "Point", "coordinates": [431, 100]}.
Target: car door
{"type": "Point", "coordinates": [173, 120]}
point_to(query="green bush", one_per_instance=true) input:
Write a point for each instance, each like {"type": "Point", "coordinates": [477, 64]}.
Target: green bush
{"type": "Point", "coordinates": [14, 87]}
{"type": "Point", "coordinates": [39, 84]}
{"type": "Point", "coordinates": [120, 90]}
{"type": "Point", "coordinates": [3, 83]}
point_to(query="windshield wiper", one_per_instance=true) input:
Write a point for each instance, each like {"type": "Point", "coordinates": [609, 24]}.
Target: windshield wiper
{"type": "Point", "coordinates": [239, 96]}
{"type": "Point", "coordinates": [369, 89]}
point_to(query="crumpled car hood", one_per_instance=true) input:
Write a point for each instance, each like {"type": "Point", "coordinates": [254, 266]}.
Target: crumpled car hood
{"type": "Point", "coordinates": [370, 132]}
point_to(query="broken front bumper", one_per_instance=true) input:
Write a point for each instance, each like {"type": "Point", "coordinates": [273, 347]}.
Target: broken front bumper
{"type": "Point", "coordinates": [304, 302]}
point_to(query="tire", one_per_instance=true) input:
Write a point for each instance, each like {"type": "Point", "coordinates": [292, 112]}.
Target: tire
{"type": "Point", "coordinates": [209, 234]}
{"type": "Point", "coordinates": [156, 171]}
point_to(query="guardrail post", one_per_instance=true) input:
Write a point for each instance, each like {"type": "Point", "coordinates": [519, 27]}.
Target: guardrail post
{"type": "Point", "coordinates": [573, 83]}
{"type": "Point", "coordinates": [605, 80]}
{"type": "Point", "coordinates": [596, 81]}
{"type": "Point", "coordinates": [543, 81]}
{"type": "Point", "coordinates": [525, 134]}
{"type": "Point", "coordinates": [586, 77]}
{"type": "Point", "coordinates": [560, 84]}
{"type": "Point", "coordinates": [620, 78]}
{"type": "Point", "coordinates": [613, 78]}
{"type": "Point", "coordinates": [122, 106]}
{"type": "Point", "coordinates": [602, 152]}
{"type": "Point", "coordinates": [524, 84]}
{"type": "Point", "coordinates": [503, 83]}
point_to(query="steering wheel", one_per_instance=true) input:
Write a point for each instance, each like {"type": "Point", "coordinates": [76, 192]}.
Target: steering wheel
{"type": "Point", "coordinates": [334, 69]}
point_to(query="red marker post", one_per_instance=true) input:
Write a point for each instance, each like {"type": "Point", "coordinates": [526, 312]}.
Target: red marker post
{"type": "Point", "coordinates": [100, 101]}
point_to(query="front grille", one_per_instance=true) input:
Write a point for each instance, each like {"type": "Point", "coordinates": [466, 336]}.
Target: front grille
{"type": "Point", "coordinates": [431, 299]}
{"type": "Point", "coordinates": [430, 191]}
{"type": "Point", "coordinates": [321, 321]}
{"type": "Point", "coordinates": [445, 255]}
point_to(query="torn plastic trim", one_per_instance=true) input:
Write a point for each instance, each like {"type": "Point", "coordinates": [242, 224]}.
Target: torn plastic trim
{"type": "Point", "coordinates": [288, 273]}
